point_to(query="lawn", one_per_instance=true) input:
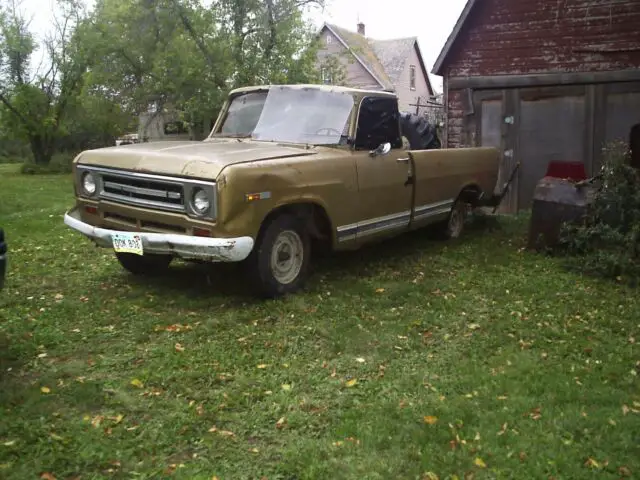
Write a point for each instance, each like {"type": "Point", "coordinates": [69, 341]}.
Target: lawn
{"type": "Point", "coordinates": [412, 359]}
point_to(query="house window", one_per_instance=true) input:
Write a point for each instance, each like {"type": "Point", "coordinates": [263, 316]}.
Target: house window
{"type": "Point", "coordinates": [326, 76]}
{"type": "Point", "coordinates": [412, 77]}
{"type": "Point", "coordinates": [328, 39]}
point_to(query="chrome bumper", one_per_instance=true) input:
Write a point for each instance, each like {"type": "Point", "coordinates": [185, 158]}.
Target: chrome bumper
{"type": "Point", "coordinates": [183, 246]}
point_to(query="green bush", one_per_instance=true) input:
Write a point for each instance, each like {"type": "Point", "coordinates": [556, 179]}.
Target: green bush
{"type": "Point", "coordinates": [13, 159]}
{"type": "Point", "coordinates": [607, 240]}
{"type": "Point", "coordinates": [60, 163]}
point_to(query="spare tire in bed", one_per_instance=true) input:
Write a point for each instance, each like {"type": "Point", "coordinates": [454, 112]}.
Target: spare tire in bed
{"type": "Point", "coordinates": [420, 134]}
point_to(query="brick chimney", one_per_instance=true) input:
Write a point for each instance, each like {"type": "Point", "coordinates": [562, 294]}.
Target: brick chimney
{"type": "Point", "coordinates": [361, 28]}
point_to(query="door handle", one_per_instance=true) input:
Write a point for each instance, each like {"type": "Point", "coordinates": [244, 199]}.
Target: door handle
{"type": "Point", "coordinates": [402, 160]}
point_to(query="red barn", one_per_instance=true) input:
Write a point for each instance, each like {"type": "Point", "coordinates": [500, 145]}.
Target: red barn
{"type": "Point", "coordinates": [543, 80]}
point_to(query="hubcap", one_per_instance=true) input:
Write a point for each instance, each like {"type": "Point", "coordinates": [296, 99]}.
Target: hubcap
{"type": "Point", "coordinates": [287, 257]}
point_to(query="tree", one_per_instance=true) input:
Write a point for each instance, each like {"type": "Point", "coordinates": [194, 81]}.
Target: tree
{"type": "Point", "coordinates": [184, 56]}
{"type": "Point", "coordinates": [35, 105]}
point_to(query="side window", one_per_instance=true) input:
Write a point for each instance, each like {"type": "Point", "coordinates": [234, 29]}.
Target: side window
{"type": "Point", "coordinates": [378, 122]}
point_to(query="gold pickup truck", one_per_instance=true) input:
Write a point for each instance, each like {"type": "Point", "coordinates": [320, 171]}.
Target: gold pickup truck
{"type": "Point", "coordinates": [286, 169]}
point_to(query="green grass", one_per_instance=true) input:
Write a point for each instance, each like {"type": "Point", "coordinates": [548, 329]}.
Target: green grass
{"type": "Point", "coordinates": [527, 370]}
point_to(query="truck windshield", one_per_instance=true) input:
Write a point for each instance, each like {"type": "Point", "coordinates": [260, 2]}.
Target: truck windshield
{"type": "Point", "coordinates": [286, 114]}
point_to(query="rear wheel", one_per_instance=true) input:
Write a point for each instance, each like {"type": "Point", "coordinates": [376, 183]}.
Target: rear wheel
{"type": "Point", "coordinates": [147, 264]}
{"type": "Point", "coordinates": [279, 264]}
{"type": "Point", "coordinates": [457, 217]}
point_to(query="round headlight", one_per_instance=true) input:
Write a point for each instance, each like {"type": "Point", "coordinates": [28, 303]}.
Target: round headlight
{"type": "Point", "coordinates": [88, 183]}
{"type": "Point", "coordinates": [201, 202]}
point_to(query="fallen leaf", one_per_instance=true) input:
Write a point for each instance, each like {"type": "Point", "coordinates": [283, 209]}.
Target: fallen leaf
{"type": "Point", "coordinates": [117, 419]}
{"type": "Point", "coordinates": [281, 422]}
{"type": "Point", "coordinates": [478, 462]}
{"type": "Point", "coordinates": [590, 462]}
{"type": "Point", "coordinates": [379, 290]}
{"type": "Point", "coordinates": [45, 389]}
{"type": "Point", "coordinates": [42, 355]}
{"type": "Point", "coordinates": [535, 414]}
{"type": "Point", "coordinates": [179, 348]}
{"type": "Point", "coordinates": [625, 409]}
{"type": "Point", "coordinates": [473, 326]}
{"type": "Point", "coordinates": [351, 382]}
{"type": "Point", "coordinates": [262, 365]}
{"type": "Point", "coordinates": [97, 420]}
{"type": "Point", "coordinates": [137, 383]}
{"type": "Point", "coordinates": [286, 387]}
{"type": "Point", "coordinates": [254, 450]}
{"type": "Point", "coordinates": [502, 397]}
{"type": "Point", "coordinates": [624, 471]}
{"type": "Point", "coordinates": [430, 476]}
{"type": "Point", "coordinates": [58, 296]}
{"type": "Point", "coordinates": [430, 419]}
{"type": "Point", "coordinates": [360, 360]}
{"type": "Point", "coordinates": [47, 476]}
{"type": "Point", "coordinates": [9, 443]}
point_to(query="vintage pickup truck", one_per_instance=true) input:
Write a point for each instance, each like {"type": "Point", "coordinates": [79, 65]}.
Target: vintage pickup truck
{"type": "Point", "coordinates": [286, 169]}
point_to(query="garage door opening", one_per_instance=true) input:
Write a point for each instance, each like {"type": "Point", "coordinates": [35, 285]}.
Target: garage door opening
{"type": "Point", "coordinates": [634, 145]}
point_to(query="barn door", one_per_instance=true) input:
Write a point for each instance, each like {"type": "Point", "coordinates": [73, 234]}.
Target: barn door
{"type": "Point", "coordinates": [492, 108]}
{"type": "Point", "coordinates": [552, 128]}
{"type": "Point", "coordinates": [622, 117]}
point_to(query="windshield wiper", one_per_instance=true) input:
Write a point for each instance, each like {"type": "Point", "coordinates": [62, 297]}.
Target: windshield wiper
{"type": "Point", "coordinates": [232, 135]}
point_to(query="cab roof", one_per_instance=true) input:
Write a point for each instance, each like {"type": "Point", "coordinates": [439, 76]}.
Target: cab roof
{"type": "Point", "coordinates": [322, 87]}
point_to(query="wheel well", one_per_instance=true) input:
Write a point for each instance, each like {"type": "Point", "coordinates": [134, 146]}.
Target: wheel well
{"type": "Point", "coordinates": [315, 217]}
{"type": "Point", "coordinates": [471, 193]}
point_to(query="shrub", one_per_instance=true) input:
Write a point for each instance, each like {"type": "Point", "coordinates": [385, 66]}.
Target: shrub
{"type": "Point", "coordinates": [607, 240]}
{"type": "Point", "coordinates": [60, 163]}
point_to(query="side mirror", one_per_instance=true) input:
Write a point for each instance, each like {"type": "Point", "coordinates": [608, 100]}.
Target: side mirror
{"type": "Point", "coordinates": [382, 149]}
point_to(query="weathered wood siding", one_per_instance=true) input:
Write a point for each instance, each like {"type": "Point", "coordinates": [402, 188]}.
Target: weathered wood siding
{"type": "Point", "coordinates": [356, 75]}
{"type": "Point", "coordinates": [517, 37]}
{"type": "Point", "coordinates": [407, 96]}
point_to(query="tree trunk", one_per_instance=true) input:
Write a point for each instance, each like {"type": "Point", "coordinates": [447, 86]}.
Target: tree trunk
{"type": "Point", "coordinates": [42, 149]}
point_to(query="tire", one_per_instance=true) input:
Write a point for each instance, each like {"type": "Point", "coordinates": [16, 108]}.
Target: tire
{"type": "Point", "coordinates": [455, 222]}
{"type": "Point", "coordinates": [420, 134]}
{"type": "Point", "coordinates": [144, 264]}
{"type": "Point", "coordinates": [279, 263]}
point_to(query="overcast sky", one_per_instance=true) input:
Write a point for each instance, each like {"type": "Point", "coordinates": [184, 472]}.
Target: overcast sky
{"type": "Point", "coordinates": [430, 20]}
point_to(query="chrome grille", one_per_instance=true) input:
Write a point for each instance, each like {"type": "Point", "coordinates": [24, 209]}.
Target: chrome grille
{"type": "Point", "coordinates": [143, 191]}
{"type": "Point", "coordinates": [149, 191]}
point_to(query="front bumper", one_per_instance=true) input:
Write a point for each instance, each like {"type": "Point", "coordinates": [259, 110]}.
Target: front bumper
{"type": "Point", "coordinates": [183, 246]}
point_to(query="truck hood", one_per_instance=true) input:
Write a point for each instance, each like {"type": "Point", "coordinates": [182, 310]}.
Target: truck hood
{"type": "Point", "coordinates": [200, 159]}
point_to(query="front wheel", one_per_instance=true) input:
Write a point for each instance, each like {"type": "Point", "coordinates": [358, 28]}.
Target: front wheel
{"type": "Point", "coordinates": [279, 263]}
{"type": "Point", "coordinates": [144, 264]}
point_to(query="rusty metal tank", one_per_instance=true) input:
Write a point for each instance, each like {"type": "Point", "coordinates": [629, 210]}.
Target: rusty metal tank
{"type": "Point", "coordinates": [555, 201]}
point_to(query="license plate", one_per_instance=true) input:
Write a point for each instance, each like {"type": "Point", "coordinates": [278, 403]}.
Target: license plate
{"type": "Point", "coordinates": [127, 242]}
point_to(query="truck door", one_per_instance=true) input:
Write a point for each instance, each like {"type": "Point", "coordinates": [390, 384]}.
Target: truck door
{"type": "Point", "coordinates": [385, 194]}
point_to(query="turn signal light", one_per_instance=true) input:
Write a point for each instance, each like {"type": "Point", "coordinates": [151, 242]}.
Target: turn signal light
{"type": "Point", "coordinates": [91, 210]}
{"type": "Point", "coordinates": [201, 232]}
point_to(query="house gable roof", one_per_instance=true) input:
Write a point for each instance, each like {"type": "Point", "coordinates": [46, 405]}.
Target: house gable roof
{"type": "Point", "coordinates": [393, 55]}
{"type": "Point", "coordinates": [362, 51]}
{"type": "Point", "coordinates": [385, 60]}
{"type": "Point", "coordinates": [437, 67]}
